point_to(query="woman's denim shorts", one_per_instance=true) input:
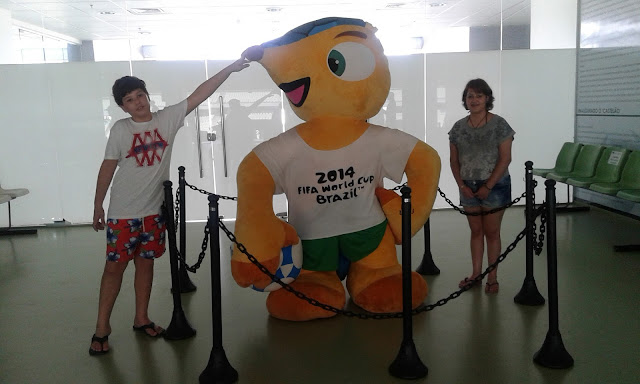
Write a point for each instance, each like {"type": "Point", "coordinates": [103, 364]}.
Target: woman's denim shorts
{"type": "Point", "coordinates": [499, 196]}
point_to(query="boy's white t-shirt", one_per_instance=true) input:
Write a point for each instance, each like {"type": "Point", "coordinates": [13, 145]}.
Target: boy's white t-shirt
{"type": "Point", "coordinates": [143, 151]}
{"type": "Point", "coordinates": [332, 192]}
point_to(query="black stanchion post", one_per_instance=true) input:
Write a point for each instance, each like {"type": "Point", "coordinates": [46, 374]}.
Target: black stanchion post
{"type": "Point", "coordinates": [218, 370]}
{"type": "Point", "coordinates": [179, 328]}
{"type": "Point", "coordinates": [552, 354]}
{"type": "Point", "coordinates": [185, 282]}
{"type": "Point", "coordinates": [407, 364]}
{"type": "Point", "coordinates": [427, 266]}
{"type": "Point", "coordinates": [529, 294]}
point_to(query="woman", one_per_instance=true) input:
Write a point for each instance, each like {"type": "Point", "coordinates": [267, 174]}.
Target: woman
{"type": "Point", "coordinates": [480, 153]}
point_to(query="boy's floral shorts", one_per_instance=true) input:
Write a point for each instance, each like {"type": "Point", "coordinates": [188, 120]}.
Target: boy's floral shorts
{"type": "Point", "coordinates": [127, 238]}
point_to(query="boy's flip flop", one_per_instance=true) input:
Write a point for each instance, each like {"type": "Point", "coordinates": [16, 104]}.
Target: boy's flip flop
{"type": "Point", "coordinates": [101, 340]}
{"type": "Point", "coordinates": [152, 326]}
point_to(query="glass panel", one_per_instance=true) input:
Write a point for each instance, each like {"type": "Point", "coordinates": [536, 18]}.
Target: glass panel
{"type": "Point", "coordinates": [252, 109]}
{"type": "Point", "coordinates": [26, 137]}
{"type": "Point", "coordinates": [56, 133]}
{"type": "Point", "coordinates": [78, 125]}
{"type": "Point", "coordinates": [404, 108]}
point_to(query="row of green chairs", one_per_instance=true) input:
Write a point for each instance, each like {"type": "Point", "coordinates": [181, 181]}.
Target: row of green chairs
{"type": "Point", "coordinates": [609, 170]}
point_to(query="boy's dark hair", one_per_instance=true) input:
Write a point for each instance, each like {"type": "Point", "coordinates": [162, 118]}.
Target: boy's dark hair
{"type": "Point", "coordinates": [478, 86]}
{"type": "Point", "coordinates": [126, 84]}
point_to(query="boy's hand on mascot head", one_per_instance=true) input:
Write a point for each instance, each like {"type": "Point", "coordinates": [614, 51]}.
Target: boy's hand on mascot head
{"type": "Point", "coordinates": [253, 53]}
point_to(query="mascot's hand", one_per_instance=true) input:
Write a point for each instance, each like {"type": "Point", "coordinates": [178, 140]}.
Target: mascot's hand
{"type": "Point", "coordinates": [423, 173]}
{"type": "Point", "coordinates": [266, 248]}
{"type": "Point", "coordinates": [261, 232]}
{"type": "Point", "coordinates": [391, 204]}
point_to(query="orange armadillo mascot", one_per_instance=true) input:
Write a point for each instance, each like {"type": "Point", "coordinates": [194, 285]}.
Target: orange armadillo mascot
{"type": "Point", "coordinates": [331, 168]}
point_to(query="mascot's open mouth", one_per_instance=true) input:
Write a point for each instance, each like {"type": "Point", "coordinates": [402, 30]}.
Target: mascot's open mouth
{"type": "Point", "coordinates": [297, 90]}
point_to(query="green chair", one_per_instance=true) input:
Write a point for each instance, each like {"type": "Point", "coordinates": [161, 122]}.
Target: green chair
{"type": "Point", "coordinates": [584, 166]}
{"type": "Point", "coordinates": [609, 168]}
{"type": "Point", "coordinates": [564, 161]}
{"type": "Point", "coordinates": [630, 194]}
{"type": "Point", "coordinates": [629, 179]}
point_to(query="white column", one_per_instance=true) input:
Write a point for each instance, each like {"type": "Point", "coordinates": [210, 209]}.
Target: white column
{"type": "Point", "coordinates": [6, 41]}
{"type": "Point", "coordinates": [553, 24]}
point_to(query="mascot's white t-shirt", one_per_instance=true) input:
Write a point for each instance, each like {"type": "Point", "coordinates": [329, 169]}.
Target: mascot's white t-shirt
{"type": "Point", "coordinates": [143, 151]}
{"type": "Point", "coordinates": [332, 192]}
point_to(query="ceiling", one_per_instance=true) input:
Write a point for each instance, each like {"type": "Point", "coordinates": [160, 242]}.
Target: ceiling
{"type": "Point", "coordinates": [212, 19]}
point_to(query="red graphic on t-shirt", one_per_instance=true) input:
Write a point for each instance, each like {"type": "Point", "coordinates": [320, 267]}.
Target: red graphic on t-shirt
{"type": "Point", "coordinates": [147, 149]}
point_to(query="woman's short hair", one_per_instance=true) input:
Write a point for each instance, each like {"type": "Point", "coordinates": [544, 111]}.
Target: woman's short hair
{"type": "Point", "coordinates": [127, 84]}
{"type": "Point", "coordinates": [478, 86]}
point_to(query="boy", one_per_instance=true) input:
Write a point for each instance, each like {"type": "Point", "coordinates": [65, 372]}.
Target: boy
{"type": "Point", "coordinates": [141, 147]}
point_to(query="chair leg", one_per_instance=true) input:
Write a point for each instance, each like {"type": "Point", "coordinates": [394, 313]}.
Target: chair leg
{"type": "Point", "coordinates": [569, 206]}
{"type": "Point", "coordinates": [15, 231]}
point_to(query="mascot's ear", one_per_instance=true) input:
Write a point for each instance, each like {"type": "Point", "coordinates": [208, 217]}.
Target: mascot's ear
{"type": "Point", "coordinates": [253, 53]}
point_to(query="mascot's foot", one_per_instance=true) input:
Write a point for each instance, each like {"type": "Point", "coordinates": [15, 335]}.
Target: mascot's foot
{"type": "Point", "coordinates": [324, 287]}
{"type": "Point", "coordinates": [385, 294]}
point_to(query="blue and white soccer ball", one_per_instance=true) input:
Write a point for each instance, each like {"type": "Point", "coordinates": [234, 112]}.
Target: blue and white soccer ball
{"type": "Point", "coordinates": [289, 269]}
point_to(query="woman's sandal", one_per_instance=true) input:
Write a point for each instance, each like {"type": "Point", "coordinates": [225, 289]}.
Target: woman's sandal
{"type": "Point", "coordinates": [468, 282]}
{"type": "Point", "coordinates": [151, 326]}
{"type": "Point", "coordinates": [492, 287]}
{"type": "Point", "coordinates": [101, 340]}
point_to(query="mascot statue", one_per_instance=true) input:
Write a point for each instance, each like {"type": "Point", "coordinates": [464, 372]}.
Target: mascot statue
{"type": "Point", "coordinates": [331, 168]}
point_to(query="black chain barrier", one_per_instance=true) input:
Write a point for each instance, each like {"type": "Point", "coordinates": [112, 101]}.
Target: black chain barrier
{"type": "Point", "coordinates": [484, 213]}
{"type": "Point", "coordinates": [204, 192]}
{"type": "Point", "coordinates": [203, 253]}
{"type": "Point", "coordinates": [538, 241]}
{"type": "Point", "coordinates": [359, 315]}
{"type": "Point", "coordinates": [177, 203]}
{"type": "Point", "coordinates": [377, 316]}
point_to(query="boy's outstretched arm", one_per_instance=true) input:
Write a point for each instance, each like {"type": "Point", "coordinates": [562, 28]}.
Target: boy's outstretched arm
{"type": "Point", "coordinates": [207, 88]}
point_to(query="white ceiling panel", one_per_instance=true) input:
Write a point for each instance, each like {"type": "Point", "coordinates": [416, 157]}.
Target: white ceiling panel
{"type": "Point", "coordinates": [89, 20]}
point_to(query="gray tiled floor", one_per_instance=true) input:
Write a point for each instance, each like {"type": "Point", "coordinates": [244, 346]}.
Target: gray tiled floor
{"type": "Point", "coordinates": [49, 288]}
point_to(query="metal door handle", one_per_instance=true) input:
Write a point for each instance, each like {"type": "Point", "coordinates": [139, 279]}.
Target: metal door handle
{"type": "Point", "coordinates": [224, 137]}
{"type": "Point", "coordinates": [199, 143]}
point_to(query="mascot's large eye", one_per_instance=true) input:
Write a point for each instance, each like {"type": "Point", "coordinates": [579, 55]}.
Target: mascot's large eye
{"type": "Point", "coordinates": [351, 61]}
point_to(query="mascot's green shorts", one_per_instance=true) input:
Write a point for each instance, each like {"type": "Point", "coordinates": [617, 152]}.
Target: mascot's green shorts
{"type": "Point", "coordinates": [324, 254]}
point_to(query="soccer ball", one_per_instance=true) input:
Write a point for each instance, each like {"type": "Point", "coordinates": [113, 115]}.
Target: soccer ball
{"type": "Point", "coordinates": [289, 269]}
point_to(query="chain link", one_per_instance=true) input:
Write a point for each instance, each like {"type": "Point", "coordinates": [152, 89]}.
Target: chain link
{"type": "Point", "coordinates": [539, 242]}
{"type": "Point", "coordinates": [375, 316]}
{"type": "Point", "coordinates": [177, 204]}
{"type": "Point", "coordinates": [209, 193]}
{"type": "Point", "coordinates": [484, 213]}
{"type": "Point", "coordinates": [478, 278]}
{"type": "Point", "coordinates": [204, 192]}
{"type": "Point", "coordinates": [203, 252]}
{"type": "Point", "coordinates": [329, 308]}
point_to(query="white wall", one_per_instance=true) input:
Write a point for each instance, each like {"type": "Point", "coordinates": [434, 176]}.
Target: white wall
{"type": "Point", "coordinates": [52, 126]}
{"type": "Point", "coordinates": [6, 38]}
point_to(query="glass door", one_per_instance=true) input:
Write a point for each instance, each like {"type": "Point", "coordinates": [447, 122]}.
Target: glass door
{"type": "Point", "coordinates": [245, 111]}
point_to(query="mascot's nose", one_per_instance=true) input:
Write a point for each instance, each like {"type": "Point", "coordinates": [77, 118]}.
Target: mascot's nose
{"type": "Point", "coordinates": [253, 53]}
